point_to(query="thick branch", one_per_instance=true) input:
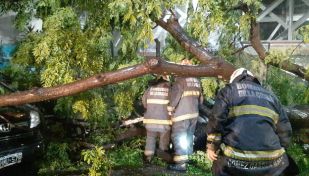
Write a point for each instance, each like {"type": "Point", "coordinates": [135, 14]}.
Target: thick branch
{"type": "Point", "coordinates": [41, 94]}
{"type": "Point", "coordinates": [299, 116]}
{"type": "Point", "coordinates": [173, 27]}
{"type": "Point", "coordinates": [152, 65]}
{"type": "Point", "coordinates": [256, 40]}
{"type": "Point", "coordinates": [260, 50]}
{"type": "Point", "coordinates": [293, 68]}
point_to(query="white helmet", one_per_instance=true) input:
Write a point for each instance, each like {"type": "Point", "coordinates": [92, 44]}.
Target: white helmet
{"type": "Point", "coordinates": [238, 72]}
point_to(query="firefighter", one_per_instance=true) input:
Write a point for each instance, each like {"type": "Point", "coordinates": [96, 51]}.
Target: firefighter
{"type": "Point", "coordinates": [185, 99]}
{"type": "Point", "coordinates": [156, 119]}
{"type": "Point", "coordinates": [250, 127]}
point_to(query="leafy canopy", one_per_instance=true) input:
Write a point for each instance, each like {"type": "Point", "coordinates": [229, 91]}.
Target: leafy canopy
{"type": "Point", "coordinates": [77, 38]}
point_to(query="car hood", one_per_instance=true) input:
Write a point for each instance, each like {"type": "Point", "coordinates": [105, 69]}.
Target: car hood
{"type": "Point", "coordinates": [13, 115]}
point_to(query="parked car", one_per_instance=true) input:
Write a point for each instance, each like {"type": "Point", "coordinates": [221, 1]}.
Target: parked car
{"type": "Point", "coordinates": [20, 137]}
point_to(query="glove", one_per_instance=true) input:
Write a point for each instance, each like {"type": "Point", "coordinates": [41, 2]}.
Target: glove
{"type": "Point", "coordinates": [170, 110]}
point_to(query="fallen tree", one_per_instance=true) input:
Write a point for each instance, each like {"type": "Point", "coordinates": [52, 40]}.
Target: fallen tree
{"type": "Point", "coordinates": [152, 65]}
{"type": "Point", "coordinates": [211, 66]}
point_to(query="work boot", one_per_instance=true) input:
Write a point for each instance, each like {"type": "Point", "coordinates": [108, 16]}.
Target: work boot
{"type": "Point", "coordinates": [147, 159]}
{"type": "Point", "coordinates": [178, 167]}
{"type": "Point", "coordinates": [166, 156]}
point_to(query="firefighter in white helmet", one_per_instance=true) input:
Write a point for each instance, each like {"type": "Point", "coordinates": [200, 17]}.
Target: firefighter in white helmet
{"type": "Point", "coordinates": [248, 130]}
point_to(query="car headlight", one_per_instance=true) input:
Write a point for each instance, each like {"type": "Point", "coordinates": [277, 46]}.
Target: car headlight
{"type": "Point", "coordinates": [35, 119]}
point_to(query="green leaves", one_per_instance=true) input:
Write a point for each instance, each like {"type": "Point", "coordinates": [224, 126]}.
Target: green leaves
{"type": "Point", "coordinates": [129, 154]}
{"type": "Point", "coordinates": [211, 86]}
{"type": "Point", "coordinates": [300, 157]}
{"type": "Point", "coordinates": [276, 57]}
{"type": "Point", "coordinates": [99, 164]}
{"type": "Point", "coordinates": [304, 33]}
{"type": "Point", "coordinates": [62, 18]}
{"type": "Point", "coordinates": [126, 94]}
{"type": "Point", "coordinates": [288, 89]}
{"type": "Point", "coordinates": [56, 157]}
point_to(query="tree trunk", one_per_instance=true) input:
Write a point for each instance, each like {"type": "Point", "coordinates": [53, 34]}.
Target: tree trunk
{"type": "Point", "coordinates": [287, 65]}
{"type": "Point", "coordinates": [299, 116]}
{"type": "Point", "coordinates": [256, 40]}
{"type": "Point", "coordinates": [152, 65]}
{"type": "Point", "coordinates": [172, 25]}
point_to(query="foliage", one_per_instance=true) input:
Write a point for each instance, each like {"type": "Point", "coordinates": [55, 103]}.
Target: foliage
{"type": "Point", "coordinates": [68, 51]}
{"type": "Point", "coordinates": [202, 162]}
{"type": "Point", "coordinates": [306, 95]}
{"type": "Point", "coordinates": [90, 105]}
{"type": "Point", "coordinates": [56, 157]}
{"type": "Point", "coordinates": [129, 154]}
{"type": "Point", "coordinates": [302, 159]}
{"type": "Point", "coordinates": [127, 93]}
{"type": "Point", "coordinates": [159, 162]}
{"type": "Point", "coordinates": [64, 53]}
{"type": "Point", "coordinates": [303, 31]}
{"type": "Point", "coordinates": [99, 164]}
{"type": "Point", "coordinates": [276, 57]}
{"type": "Point", "coordinates": [103, 136]}
{"type": "Point", "coordinates": [18, 79]}
{"type": "Point", "coordinates": [211, 86]}
{"type": "Point", "coordinates": [288, 89]}
{"type": "Point", "coordinates": [173, 51]}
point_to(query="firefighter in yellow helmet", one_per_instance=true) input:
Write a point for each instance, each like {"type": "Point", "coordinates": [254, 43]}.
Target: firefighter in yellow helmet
{"type": "Point", "coordinates": [248, 130]}
{"type": "Point", "coordinates": [156, 119]}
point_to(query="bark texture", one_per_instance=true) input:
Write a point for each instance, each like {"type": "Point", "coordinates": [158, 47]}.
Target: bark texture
{"type": "Point", "coordinates": [152, 65]}
{"type": "Point", "coordinates": [299, 116]}
{"type": "Point", "coordinates": [255, 41]}
{"type": "Point", "coordinates": [173, 27]}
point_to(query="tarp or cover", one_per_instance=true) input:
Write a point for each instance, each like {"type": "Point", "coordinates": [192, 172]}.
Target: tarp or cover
{"type": "Point", "coordinates": [6, 52]}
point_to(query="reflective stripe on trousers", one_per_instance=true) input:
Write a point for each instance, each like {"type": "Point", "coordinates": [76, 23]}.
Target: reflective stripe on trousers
{"type": "Point", "coordinates": [182, 138]}
{"type": "Point", "coordinates": [225, 166]}
{"type": "Point", "coordinates": [180, 158]}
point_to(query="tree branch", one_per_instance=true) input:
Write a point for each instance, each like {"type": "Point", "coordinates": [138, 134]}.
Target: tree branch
{"type": "Point", "coordinates": [293, 68]}
{"type": "Point", "coordinates": [241, 49]}
{"type": "Point", "coordinates": [296, 47]}
{"type": "Point", "coordinates": [256, 40]}
{"type": "Point", "coordinates": [152, 65]}
{"type": "Point", "coordinates": [173, 27]}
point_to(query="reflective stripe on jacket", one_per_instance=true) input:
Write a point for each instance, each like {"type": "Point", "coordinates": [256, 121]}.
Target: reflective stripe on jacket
{"type": "Point", "coordinates": [250, 121]}
{"type": "Point", "coordinates": [156, 100]}
{"type": "Point", "coordinates": [185, 98]}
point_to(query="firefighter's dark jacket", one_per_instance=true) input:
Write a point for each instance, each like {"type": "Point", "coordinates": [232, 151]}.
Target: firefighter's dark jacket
{"type": "Point", "coordinates": [185, 98]}
{"type": "Point", "coordinates": [155, 100]}
{"type": "Point", "coordinates": [248, 122]}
